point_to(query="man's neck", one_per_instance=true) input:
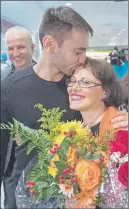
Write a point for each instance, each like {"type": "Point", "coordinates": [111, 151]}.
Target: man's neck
{"type": "Point", "coordinates": [93, 116]}
{"type": "Point", "coordinates": [46, 71]}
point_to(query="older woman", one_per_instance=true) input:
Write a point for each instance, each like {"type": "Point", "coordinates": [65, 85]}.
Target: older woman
{"type": "Point", "coordinates": [95, 91]}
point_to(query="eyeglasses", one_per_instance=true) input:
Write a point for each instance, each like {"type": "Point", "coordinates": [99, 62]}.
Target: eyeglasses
{"type": "Point", "coordinates": [82, 83]}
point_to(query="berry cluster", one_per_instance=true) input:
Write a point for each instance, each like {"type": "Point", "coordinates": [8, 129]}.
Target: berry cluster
{"type": "Point", "coordinates": [70, 175]}
{"type": "Point", "coordinates": [55, 149]}
{"type": "Point", "coordinates": [69, 134]}
{"type": "Point", "coordinates": [30, 185]}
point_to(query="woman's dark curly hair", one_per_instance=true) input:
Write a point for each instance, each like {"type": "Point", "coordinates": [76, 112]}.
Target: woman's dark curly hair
{"type": "Point", "coordinates": [103, 71]}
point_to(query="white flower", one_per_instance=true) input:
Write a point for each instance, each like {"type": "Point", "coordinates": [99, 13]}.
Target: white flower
{"type": "Point", "coordinates": [115, 156]}
{"type": "Point", "coordinates": [67, 192]}
{"type": "Point", "coordinates": [123, 159]}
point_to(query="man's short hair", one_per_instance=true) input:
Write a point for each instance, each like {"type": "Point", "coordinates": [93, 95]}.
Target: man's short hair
{"type": "Point", "coordinates": [19, 30]}
{"type": "Point", "coordinates": [57, 22]}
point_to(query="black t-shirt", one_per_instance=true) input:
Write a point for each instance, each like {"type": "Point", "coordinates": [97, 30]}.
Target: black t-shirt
{"type": "Point", "coordinates": [95, 129]}
{"type": "Point", "coordinates": [20, 93]}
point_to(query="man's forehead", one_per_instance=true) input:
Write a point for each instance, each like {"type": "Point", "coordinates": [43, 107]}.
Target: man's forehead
{"type": "Point", "coordinates": [16, 40]}
{"type": "Point", "coordinates": [79, 40]}
{"type": "Point", "coordinates": [15, 37]}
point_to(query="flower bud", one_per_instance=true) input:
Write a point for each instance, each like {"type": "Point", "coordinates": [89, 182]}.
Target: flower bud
{"type": "Point", "coordinates": [32, 183]}
{"type": "Point", "coordinates": [32, 192]}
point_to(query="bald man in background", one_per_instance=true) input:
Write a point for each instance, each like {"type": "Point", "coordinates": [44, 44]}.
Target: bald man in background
{"type": "Point", "coordinates": [20, 47]}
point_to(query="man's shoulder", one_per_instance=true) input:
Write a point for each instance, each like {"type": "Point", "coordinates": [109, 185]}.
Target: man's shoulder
{"type": "Point", "coordinates": [14, 78]}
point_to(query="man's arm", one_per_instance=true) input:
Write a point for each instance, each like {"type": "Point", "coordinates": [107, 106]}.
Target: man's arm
{"type": "Point", "coordinates": [121, 121]}
{"type": "Point", "coordinates": [5, 118]}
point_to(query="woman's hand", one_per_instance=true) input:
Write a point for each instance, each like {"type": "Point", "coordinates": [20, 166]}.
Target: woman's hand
{"type": "Point", "coordinates": [120, 121]}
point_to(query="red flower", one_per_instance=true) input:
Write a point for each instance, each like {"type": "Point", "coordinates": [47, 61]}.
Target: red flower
{"type": "Point", "coordinates": [123, 174]}
{"type": "Point", "coordinates": [117, 147]}
{"type": "Point", "coordinates": [121, 143]}
{"type": "Point", "coordinates": [122, 137]}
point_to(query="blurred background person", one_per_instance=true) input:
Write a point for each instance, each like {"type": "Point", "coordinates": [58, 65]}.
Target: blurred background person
{"type": "Point", "coordinates": [20, 47]}
{"type": "Point", "coordinates": [119, 62]}
{"type": "Point", "coordinates": [114, 51]}
{"type": "Point", "coordinates": [125, 63]}
{"type": "Point", "coordinates": [5, 67]}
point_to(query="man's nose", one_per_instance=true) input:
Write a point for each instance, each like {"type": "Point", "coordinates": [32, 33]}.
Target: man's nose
{"type": "Point", "coordinates": [82, 58]}
{"type": "Point", "coordinates": [16, 53]}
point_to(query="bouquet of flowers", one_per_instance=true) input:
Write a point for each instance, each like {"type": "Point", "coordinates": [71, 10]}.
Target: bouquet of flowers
{"type": "Point", "coordinates": [115, 186]}
{"type": "Point", "coordinates": [72, 163]}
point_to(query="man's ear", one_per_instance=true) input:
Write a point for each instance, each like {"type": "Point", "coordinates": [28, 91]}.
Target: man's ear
{"type": "Point", "coordinates": [49, 44]}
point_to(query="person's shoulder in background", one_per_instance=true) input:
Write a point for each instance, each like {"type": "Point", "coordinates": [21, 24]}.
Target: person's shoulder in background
{"type": "Point", "coordinates": [123, 69]}
{"type": "Point", "coordinates": [5, 70]}
{"type": "Point", "coordinates": [15, 77]}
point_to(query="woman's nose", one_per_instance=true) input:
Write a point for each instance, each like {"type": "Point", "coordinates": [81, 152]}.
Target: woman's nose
{"type": "Point", "coordinates": [76, 86]}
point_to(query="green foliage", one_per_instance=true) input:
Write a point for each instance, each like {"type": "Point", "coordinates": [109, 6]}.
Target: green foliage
{"type": "Point", "coordinates": [61, 165]}
{"type": "Point", "coordinates": [75, 188]}
{"type": "Point", "coordinates": [99, 199]}
{"type": "Point", "coordinates": [92, 156]}
{"type": "Point", "coordinates": [48, 192]}
{"type": "Point", "coordinates": [64, 149]}
{"type": "Point", "coordinates": [41, 140]}
{"type": "Point", "coordinates": [49, 119]}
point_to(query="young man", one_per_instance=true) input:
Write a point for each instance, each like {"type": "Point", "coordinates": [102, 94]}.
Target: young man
{"type": "Point", "coordinates": [64, 36]}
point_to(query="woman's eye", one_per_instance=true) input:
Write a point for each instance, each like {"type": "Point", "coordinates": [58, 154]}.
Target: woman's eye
{"type": "Point", "coordinates": [72, 81]}
{"type": "Point", "coordinates": [85, 82]}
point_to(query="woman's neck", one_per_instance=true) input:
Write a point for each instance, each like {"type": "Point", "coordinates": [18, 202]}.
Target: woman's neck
{"type": "Point", "coordinates": [93, 116]}
{"type": "Point", "coordinates": [46, 71]}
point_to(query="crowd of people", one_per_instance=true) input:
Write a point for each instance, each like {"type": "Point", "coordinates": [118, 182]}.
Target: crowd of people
{"type": "Point", "coordinates": [64, 37]}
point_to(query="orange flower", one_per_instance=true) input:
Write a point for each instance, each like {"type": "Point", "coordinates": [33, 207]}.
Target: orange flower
{"type": "Point", "coordinates": [82, 200]}
{"type": "Point", "coordinates": [71, 156]}
{"type": "Point", "coordinates": [86, 199]}
{"type": "Point", "coordinates": [88, 175]}
{"type": "Point", "coordinates": [105, 155]}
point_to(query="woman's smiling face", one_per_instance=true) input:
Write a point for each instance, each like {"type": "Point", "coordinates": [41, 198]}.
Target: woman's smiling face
{"type": "Point", "coordinates": [87, 93]}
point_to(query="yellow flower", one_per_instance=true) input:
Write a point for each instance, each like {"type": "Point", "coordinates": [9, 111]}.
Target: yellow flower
{"type": "Point", "coordinates": [73, 125]}
{"type": "Point", "coordinates": [70, 125]}
{"type": "Point", "coordinates": [83, 132]}
{"type": "Point", "coordinates": [58, 140]}
{"type": "Point", "coordinates": [52, 171]}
